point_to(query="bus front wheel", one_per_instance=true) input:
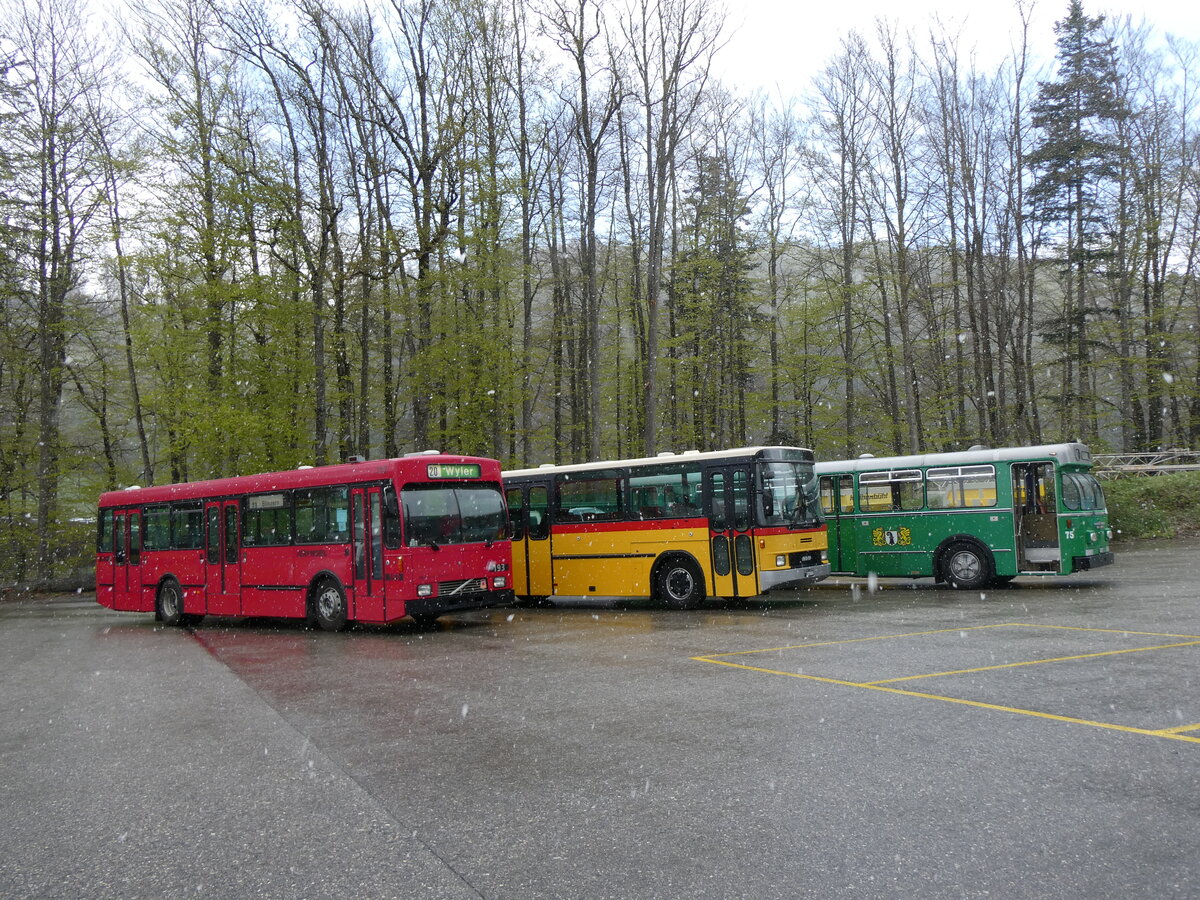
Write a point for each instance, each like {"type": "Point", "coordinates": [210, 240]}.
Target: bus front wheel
{"type": "Point", "coordinates": [680, 584]}
{"type": "Point", "coordinates": [168, 605]}
{"type": "Point", "coordinates": [169, 602]}
{"type": "Point", "coordinates": [966, 566]}
{"type": "Point", "coordinates": [329, 606]}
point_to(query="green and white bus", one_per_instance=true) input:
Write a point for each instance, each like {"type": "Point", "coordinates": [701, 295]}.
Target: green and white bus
{"type": "Point", "coordinates": [979, 517]}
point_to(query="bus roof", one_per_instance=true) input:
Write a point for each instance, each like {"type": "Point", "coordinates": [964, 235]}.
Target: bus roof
{"type": "Point", "coordinates": [1072, 453]}
{"type": "Point", "coordinates": [314, 476]}
{"type": "Point", "coordinates": [667, 458]}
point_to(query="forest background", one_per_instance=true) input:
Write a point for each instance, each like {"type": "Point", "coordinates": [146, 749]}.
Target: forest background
{"type": "Point", "coordinates": [243, 236]}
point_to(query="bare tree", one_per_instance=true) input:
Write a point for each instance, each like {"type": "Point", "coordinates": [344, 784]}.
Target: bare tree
{"type": "Point", "coordinates": [578, 28]}
{"type": "Point", "coordinates": [671, 44]}
{"type": "Point", "coordinates": [61, 186]}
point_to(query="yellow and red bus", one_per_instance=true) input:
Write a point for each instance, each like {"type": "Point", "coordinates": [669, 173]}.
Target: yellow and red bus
{"type": "Point", "coordinates": [362, 541]}
{"type": "Point", "coordinates": [675, 527]}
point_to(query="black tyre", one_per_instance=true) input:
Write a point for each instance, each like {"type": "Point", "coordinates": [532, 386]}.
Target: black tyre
{"type": "Point", "coordinates": [168, 605]}
{"type": "Point", "coordinates": [967, 567]}
{"type": "Point", "coordinates": [679, 584]}
{"type": "Point", "coordinates": [329, 609]}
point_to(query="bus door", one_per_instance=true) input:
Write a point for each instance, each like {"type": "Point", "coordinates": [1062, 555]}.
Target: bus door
{"type": "Point", "coordinates": [529, 509]}
{"type": "Point", "coordinates": [837, 502]}
{"type": "Point", "coordinates": [222, 566]}
{"type": "Point", "coordinates": [727, 492]}
{"type": "Point", "coordinates": [518, 528]}
{"type": "Point", "coordinates": [127, 559]}
{"type": "Point", "coordinates": [1035, 517]}
{"type": "Point", "coordinates": [366, 538]}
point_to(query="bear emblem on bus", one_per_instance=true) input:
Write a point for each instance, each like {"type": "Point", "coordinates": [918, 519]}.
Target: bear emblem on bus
{"type": "Point", "coordinates": [899, 537]}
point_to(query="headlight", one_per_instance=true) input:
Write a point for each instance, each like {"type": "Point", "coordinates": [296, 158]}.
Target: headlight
{"type": "Point", "coordinates": [499, 581]}
{"type": "Point", "coordinates": [424, 590]}
{"type": "Point", "coordinates": [780, 561]}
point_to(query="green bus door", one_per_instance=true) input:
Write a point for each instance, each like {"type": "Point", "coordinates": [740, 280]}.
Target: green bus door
{"type": "Point", "coordinates": [837, 502]}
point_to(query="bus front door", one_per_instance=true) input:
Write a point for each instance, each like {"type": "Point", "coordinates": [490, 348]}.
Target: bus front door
{"type": "Point", "coordinates": [366, 531]}
{"type": "Point", "coordinates": [532, 575]}
{"type": "Point", "coordinates": [1035, 517]}
{"type": "Point", "coordinates": [837, 502]}
{"type": "Point", "coordinates": [731, 544]}
{"type": "Point", "coordinates": [222, 567]}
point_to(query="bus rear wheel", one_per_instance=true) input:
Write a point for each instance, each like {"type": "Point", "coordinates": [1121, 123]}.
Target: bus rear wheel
{"type": "Point", "coordinates": [329, 606]}
{"type": "Point", "coordinates": [679, 584]}
{"type": "Point", "coordinates": [966, 566]}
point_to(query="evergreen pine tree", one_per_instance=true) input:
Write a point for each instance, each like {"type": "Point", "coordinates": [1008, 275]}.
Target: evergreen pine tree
{"type": "Point", "coordinates": [1076, 153]}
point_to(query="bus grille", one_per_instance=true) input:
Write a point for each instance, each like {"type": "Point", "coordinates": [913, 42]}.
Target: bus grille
{"type": "Point", "coordinates": [458, 588]}
{"type": "Point", "coordinates": [798, 560]}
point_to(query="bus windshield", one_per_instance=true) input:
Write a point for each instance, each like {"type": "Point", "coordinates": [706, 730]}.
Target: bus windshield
{"type": "Point", "coordinates": [788, 494]}
{"type": "Point", "coordinates": [1081, 491]}
{"type": "Point", "coordinates": [437, 514]}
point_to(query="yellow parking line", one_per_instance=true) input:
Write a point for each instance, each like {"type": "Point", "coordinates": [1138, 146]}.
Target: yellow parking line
{"type": "Point", "coordinates": [1180, 729]}
{"type": "Point", "coordinates": [1171, 734]}
{"type": "Point", "coordinates": [882, 637]}
{"type": "Point", "coordinates": [1034, 662]}
{"type": "Point", "coordinates": [1106, 630]}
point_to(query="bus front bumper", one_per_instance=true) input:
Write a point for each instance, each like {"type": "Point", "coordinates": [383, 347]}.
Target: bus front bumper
{"type": "Point", "coordinates": [1079, 563]}
{"type": "Point", "coordinates": [784, 578]}
{"type": "Point", "coordinates": [447, 603]}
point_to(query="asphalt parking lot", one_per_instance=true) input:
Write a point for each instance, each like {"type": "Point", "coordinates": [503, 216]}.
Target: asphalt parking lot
{"type": "Point", "coordinates": [1041, 740]}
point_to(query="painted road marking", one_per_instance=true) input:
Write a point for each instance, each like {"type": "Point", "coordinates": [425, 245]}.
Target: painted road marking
{"type": "Point", "coordinates": [1180, 733]}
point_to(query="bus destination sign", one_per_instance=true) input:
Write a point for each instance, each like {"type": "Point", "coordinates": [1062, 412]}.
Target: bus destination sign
{"type": "Point", "coordinates": [453, 470]}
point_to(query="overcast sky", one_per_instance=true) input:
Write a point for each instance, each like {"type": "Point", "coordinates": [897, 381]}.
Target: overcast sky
{"type": "Point", "coordinates": [781, 44]}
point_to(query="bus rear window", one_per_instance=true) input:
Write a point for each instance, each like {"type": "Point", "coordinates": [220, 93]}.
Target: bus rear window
{"type": "Point", "coordinates": [441, 514]}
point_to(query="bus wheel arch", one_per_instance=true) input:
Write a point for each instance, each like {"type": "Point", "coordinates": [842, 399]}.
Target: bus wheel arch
{"type": "Point", "coordinates": [327, 605]}
{"type": "Point", "coordinates": [678, 581]}
{"type": "Point", "coordinates": [168, 604]}
{"type": "Point", "coordinates": [964, 563]}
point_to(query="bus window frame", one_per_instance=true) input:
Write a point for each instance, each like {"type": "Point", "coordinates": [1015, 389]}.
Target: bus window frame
{"type": "Point", "coordinates": [581, 513]}
{"type": "Point", "coordinates": [892, 478]}
{"type": "Point", "coordinates": [958, 477]}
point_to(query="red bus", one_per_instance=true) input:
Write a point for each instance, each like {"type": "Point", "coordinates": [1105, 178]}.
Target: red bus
{"type": "Point", "coordinates": [362, 541]}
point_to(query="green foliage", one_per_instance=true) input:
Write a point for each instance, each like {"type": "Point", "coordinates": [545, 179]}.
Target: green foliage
{"type": "Point", "coordinates": [1162, 506]}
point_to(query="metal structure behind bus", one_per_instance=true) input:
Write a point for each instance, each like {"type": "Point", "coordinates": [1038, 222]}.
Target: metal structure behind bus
{"type": "Point", "coordinates": [363, 541]}
{"type": "Point", "coordinates": [978, 517]}
{"type": "Point", "coordinates": [676, 527]}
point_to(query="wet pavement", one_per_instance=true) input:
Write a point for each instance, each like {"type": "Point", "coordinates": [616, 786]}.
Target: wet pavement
{"type": "Point", "coordinates": [1041, 740]}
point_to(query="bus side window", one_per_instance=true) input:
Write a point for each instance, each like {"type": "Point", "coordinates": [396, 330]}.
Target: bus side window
{"type": "Point", "coordinates": [539, 513]}
{"type": "Point", "coordinates": [391, 518]}
{"type": "Point", "coordinates": [104, 535]}
{"type": "Point", "coordinates": [828, 505]}
{"type": "Point", "coordinates": [874, 492]}
{"type": "Point", "coordinates": [846, 492]}
{"type": "Point", "coordinates": [135, 537]}
{"type": "Point", "coordinates": [515, 497]}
